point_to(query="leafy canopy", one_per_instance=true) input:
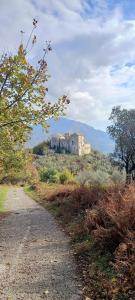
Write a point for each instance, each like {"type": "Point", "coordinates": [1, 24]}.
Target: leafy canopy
{"type": "Point", "coordinates": [23, 96]}
{"type": "Point", "coordinates": [122, 130]}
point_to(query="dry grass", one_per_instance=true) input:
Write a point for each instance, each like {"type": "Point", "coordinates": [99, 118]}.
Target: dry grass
{"type": "Point", "coordinates": [50, 192]}
{"type": "Point", "coordinates": [112, 224]}
{"type": "Point", "coordinates": [101, 223]}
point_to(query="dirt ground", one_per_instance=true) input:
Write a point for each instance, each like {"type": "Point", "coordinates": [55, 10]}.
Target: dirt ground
{"type": "Point", "coordinates": [35, 255]}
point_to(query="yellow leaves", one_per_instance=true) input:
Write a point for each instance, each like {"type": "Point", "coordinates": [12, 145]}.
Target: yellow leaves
{"type": "Point", "coordinates": [22, 102]}
{"type": "Point", "coordinates": [113, 280]}
{"type": "Point", "coordinates": [21, 54]}
{"type": "Point", "coordinates": [10, 298]}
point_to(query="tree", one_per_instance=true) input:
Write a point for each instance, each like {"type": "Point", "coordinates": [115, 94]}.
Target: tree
{"type": "Point", "coordinates": [23, 92]}
{"type": "Point", "coordinates": [122, 130]}
{"type": "Point", "coordinates": [41, 148]}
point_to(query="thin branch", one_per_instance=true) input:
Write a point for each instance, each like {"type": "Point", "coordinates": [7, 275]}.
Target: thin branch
{"type": "Point", "coordinates": [30, 36]}
{"type": "Point", "coordinates": [14, 122]}
{"type": "Point", "coordinates": [5, 80]}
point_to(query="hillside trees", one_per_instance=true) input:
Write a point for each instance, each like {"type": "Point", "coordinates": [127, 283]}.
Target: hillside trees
{"type": "Point", "coordinates": [122, 130]}
{"type": "Point", "coordinates": [42, 148]}
{"type": "Point", "coordinates": [23, 101]}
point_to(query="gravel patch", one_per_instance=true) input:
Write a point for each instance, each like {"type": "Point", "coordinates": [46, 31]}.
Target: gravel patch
{"type": "Point", "coordinates": [35, 258]}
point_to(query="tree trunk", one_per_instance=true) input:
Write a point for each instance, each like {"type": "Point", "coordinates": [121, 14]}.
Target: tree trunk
{"type": "Point", "coordinates": [128, 178]}
{"type": "Point", "coordinates": [128, 174]}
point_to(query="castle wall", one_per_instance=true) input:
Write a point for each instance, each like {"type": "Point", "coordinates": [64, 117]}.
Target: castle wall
{"type": "Point", "coordinates": [64, 144]}
{"type": "Point", "coordinates": [81, 144]}
{"type": "Point", "coordinates": [86, 149]}
{"type": "Point", "coordinates": [74, 143]}
{"type": "Point", "coordinates": [54, 142]}
{"type": "Point", "coordinates": [73, 148]}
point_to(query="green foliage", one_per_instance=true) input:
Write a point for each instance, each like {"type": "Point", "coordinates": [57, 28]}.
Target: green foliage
{"type": "Point", "coordinates": [102, 262]}
{"type": "Point", "coordinates": [12, 165]}
{"type": "Point", "coordinates": [118, 177]}
{"type": "Point", "coordinates": [83, 177]}
{"type": "Point", "coordinates": [49, 175]}
{"type": "Point", "coordinates": [100, 177]}
{"type": "Point", "coordinates": [23, 95]}
{"type": "Point", "coordinates": [18, 168]}
{"type": "Point", "coordinates": [42, 148]}
{"type": "Point", "coordinates": [52, 175]}
{"type": "Point", "coordinates": [122, 131]}
{"type": "Point", "coordinates": [3, 193]}
{"type": "Point", "coordinates": [66, 176]}
{"type": "Point", "coordinates": [23, 101]}
{"type": "Point", "coordinates": [93, 178]}
{"type": "Point", "coordinates": [93, 169]}
{"type": "Point", "coordinates": [74, 163]}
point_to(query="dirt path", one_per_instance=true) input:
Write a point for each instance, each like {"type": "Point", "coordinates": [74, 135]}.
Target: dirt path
{"type": "Point", "coordinates": [35, 259]}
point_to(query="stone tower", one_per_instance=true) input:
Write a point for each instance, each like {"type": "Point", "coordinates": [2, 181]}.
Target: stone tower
{"type": "Point", "coordinates": [71, 143]}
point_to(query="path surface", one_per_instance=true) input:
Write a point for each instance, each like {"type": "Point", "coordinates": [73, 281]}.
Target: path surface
{"type": "Point", "coordinates": [35, 258]}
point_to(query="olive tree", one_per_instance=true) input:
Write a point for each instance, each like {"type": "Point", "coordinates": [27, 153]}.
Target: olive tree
{"type": "Point", "coordinates": [122, 130]}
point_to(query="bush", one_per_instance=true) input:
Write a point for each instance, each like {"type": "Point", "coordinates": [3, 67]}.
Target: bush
{"type": "Point", "coordinates": [99, 178]}
{"type": "Point", "coordinates": [118, 177]}
{"type": "Point", "coordinates": [93, 178]}
{"type": "Point", "coordinates": [83, 177]}
{"type": "Point", "coordinates": [41, 148]}
{"type": "Point", "coordinates": [94, 161]}
{"type": "Point", "coordinates": [49, 175]}
{"type": "Point", "coordinates": [112, 223]}
{"type": "Point", "coordinates": [113, 217]}
{"type": "Point", "coordinates": [83, 198]}
{"type": "Point", "coordinates": [66, 176]}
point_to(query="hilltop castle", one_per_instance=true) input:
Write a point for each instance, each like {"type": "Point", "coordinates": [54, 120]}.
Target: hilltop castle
{"type": "Point", "coordinates": [70, 143]}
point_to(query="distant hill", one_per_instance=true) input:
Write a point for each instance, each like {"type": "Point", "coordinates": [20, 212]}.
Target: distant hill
{"type": "Point", "coordinates": [97, 138]}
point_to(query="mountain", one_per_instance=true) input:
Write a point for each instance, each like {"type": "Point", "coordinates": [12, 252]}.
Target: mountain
{"type": "Point", "coordinates": [97, 138]}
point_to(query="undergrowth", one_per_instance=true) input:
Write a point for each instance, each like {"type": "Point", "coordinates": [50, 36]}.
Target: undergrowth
{"type": "Point", "coordinates": [101, 224]}
{"type": "Point", "coordinates": [3, 193]}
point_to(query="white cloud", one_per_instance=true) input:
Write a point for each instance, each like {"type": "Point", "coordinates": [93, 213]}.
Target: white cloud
{"type": "Point", "coordinates": [92, 48]}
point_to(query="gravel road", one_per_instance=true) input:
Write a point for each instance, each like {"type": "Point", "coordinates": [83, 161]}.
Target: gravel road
{"type": "Point", "coordinates": [35, 258]}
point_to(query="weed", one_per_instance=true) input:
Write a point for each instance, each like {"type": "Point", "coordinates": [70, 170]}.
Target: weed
{"type": "Point", "coordinates": [3, 193]}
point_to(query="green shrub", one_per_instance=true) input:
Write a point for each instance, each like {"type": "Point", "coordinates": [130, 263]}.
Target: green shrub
{"type": "Point", "coordinates": [49, 175]}
{"type": "Point", "coordinates": [41, 148]}
{"type": "Point", "coordinates": [83, 177]}
{"type": "Point", "coordinates": [75, 164]}
{"type": "Point", "coordinates": [66, 176]}
{"type": "Point", "coordinates": [118, 177]}
{"type": "Point", "coordinates": [99, 178]}
{"type": "Point", "coordinates": [93, 178]}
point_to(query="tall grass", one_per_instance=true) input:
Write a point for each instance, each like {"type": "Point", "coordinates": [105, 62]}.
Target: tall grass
{"type": "Point", "coordinates": [3, 193]}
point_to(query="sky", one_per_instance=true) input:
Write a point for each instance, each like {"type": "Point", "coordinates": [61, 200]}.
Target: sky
{"type": "Point", "coordinates": [93, 57]}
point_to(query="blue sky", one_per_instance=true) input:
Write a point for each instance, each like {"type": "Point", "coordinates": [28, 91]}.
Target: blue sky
{"type": "Point", "coordinates": [93, 57]}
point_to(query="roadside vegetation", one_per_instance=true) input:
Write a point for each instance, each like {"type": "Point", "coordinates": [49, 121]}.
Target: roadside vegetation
{"type": "Point", "coordinates": [3, 193]}
{"type": "Point", "coordinates": [95, 168]}
{"type": "Point", "coordinates": [100, 221]}
{"type": "Point", "coordinates": [89, 198]}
